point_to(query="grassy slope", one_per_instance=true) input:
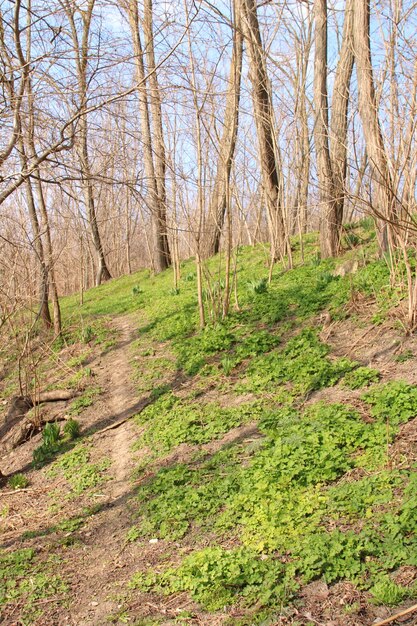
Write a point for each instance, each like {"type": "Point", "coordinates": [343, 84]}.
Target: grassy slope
{"type": "Point", "coordinates": [315, 493]}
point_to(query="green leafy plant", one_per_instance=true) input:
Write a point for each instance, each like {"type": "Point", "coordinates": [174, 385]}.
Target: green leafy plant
{"type": "Point", "coordinates": [170, 421]}
{"type": "Point", "coordinates": [87, 334]}
{"type": "Point", "coordinates": [324, 279]}
{"type": "Point", "coordinates": [351, 240]}
{"type": "Point", "coordinates": [316, 259]}
{"type": "Point", "coordinates": [302, 362]}
{"type": "Point", "coordinates": [84, 401]}
{"type": "Point", "coordinates": [133, 534]}
{"type": "Point", "coordinates": [361, 377]}
{"type": "Point", "coordinates": [51, 434]}
{"type": "Point", "coordinates": [395, 401]}
{"type": "Point", "coordinates": [404, 356]}
{"type": "Point", "coordinates": [386, 591]}
{"type": "Point", "coordinates": [80, 378]}
{"type": "Point", "coordinates": [24, 580]}
{"type": "Point", "coordinates": [214, 577]}
{"type": "Point", "coordinates": [77, 469]}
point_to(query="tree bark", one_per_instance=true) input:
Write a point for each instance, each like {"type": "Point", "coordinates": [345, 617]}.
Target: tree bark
{"type": "Point", "coordinates": [218, 201]}
{"type": "Point", "coordinates": [329, 240]}
{"type": "Point", "coordinates": [47, 252]}
{"type": "Point", "coordinates": [331, 143]}
{"type": "Point", "coordinates": [156, 205]}
{"type": "Point", "coordinates": [368, 112]}
{"type": "Point", "coordinates": [262, 105]}
{"type": "Point", "coordinates": [339, 119]}
{"type": "Point", "coordinates": [157, 128]}
{"type": "Point", "coordinates": [82, 58]}
{"type": "Point", "coordinates": [44, 313]}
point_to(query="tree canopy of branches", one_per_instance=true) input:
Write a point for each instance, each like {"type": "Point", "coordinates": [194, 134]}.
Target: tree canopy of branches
{"type": "Point", "coordinates": [137, 133]}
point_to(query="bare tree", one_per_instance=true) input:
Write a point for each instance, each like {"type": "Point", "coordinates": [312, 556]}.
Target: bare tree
{"type": "Point", "coordinates": [81, 48]}
{"type": "Point", "coordinates": [157, 128]}
{"type": "Point", "coordinates": [331, 143]}
{"type": "Point", "coordinates": [264, 119]}
{"type": "Point", "coordinates": [368, 112]}
{"type": "Point", "coordinates": [154, 161]}
{"type": "Point", "coordinates": [227, 144]}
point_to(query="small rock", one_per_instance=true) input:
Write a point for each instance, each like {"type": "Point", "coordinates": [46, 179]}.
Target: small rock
{"type": "Point", "coordinates": [153, 540]}
{"type": "Point", "coordinates": [94, 603]}
{"type": "Point", "coordinates": [349, 267]}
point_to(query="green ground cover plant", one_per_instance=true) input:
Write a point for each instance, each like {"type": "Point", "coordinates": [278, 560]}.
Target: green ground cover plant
{"type": "Point", "coordinates": [80, 473]}
{"type": "Point", "coordinates": [171, 421]}
{"type": "Point", "coordinates": [361, 377]}
{"type": "Point", "coordinates": [25, 579]}
{"type": "Point", "coordinates": [303, 363]}
{"type": "Point", "coordinates": [288, 498]}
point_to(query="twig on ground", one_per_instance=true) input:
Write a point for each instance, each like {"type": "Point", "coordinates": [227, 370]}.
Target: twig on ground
{"type": "Point", "coordinates": [393, 618]}
{"type": "Point", "coordinates": [14, 492]}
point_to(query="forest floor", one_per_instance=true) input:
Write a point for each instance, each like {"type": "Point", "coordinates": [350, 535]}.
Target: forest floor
{"type": "Point", "coordinates": [261, 471]}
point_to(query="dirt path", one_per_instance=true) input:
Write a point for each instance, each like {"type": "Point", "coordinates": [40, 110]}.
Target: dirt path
{"type": "Point", "coordinates": [101, 563]}
{"type": "Point", "coordinates": [122, 399]}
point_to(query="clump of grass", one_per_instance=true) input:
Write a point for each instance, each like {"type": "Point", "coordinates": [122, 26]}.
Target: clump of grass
{"type": "Point", "coordinates": [72, 429]}
{"type": "Point", "coordinates": [18, 481]}
{"type": "Point", "coordinates": [227, 364]}
{"type": "Point", "coordinates": [258, 286]}
{"type": "Point", "coordinates": [51, 441]}
{"type": "Point", "coordinates": [137, 290]}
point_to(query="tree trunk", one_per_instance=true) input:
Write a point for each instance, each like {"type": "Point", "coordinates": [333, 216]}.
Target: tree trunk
{"type": "Point", "coordinates": [156, 206]}
{"type": "Point", "coordinates": [331, 144]}
{"type": "Point", "coordinates": [368, 112]}
{"type": "Point", "coordinates": [49, 256]}
{"type": "Point", "coordinates": [262, 105]}
{"type": "Point", "coordinates": [102, 273]}
{"type": "Point", "coordinates": [48, 263]}
{"type": "Point", "coordinates": [329, 237]}
{"type": "Point", "coordinates": [157, 128]}
{"type": "Point", "coordinates": [81, 50]}
{"type": "Point", "coordinates": [44, 313]}
{"type": "Point", "coordinates": [227, 147]}
{"type": "Point", "coordinates": [339, 118]}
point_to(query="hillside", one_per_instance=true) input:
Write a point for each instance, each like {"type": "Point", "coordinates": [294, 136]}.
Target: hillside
{"type": "Point", "coordinates": [259, 471]}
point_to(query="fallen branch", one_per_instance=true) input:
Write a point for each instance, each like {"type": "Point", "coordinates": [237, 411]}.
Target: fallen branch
{"type": "Point", "coordinates": [25, 429]}
{"type": "Point", "coordinates": [393, 618]}
{"type": "Point", "coordinates": [14, 492]}
{"type": "Point", "coordinates": [57, 395]}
